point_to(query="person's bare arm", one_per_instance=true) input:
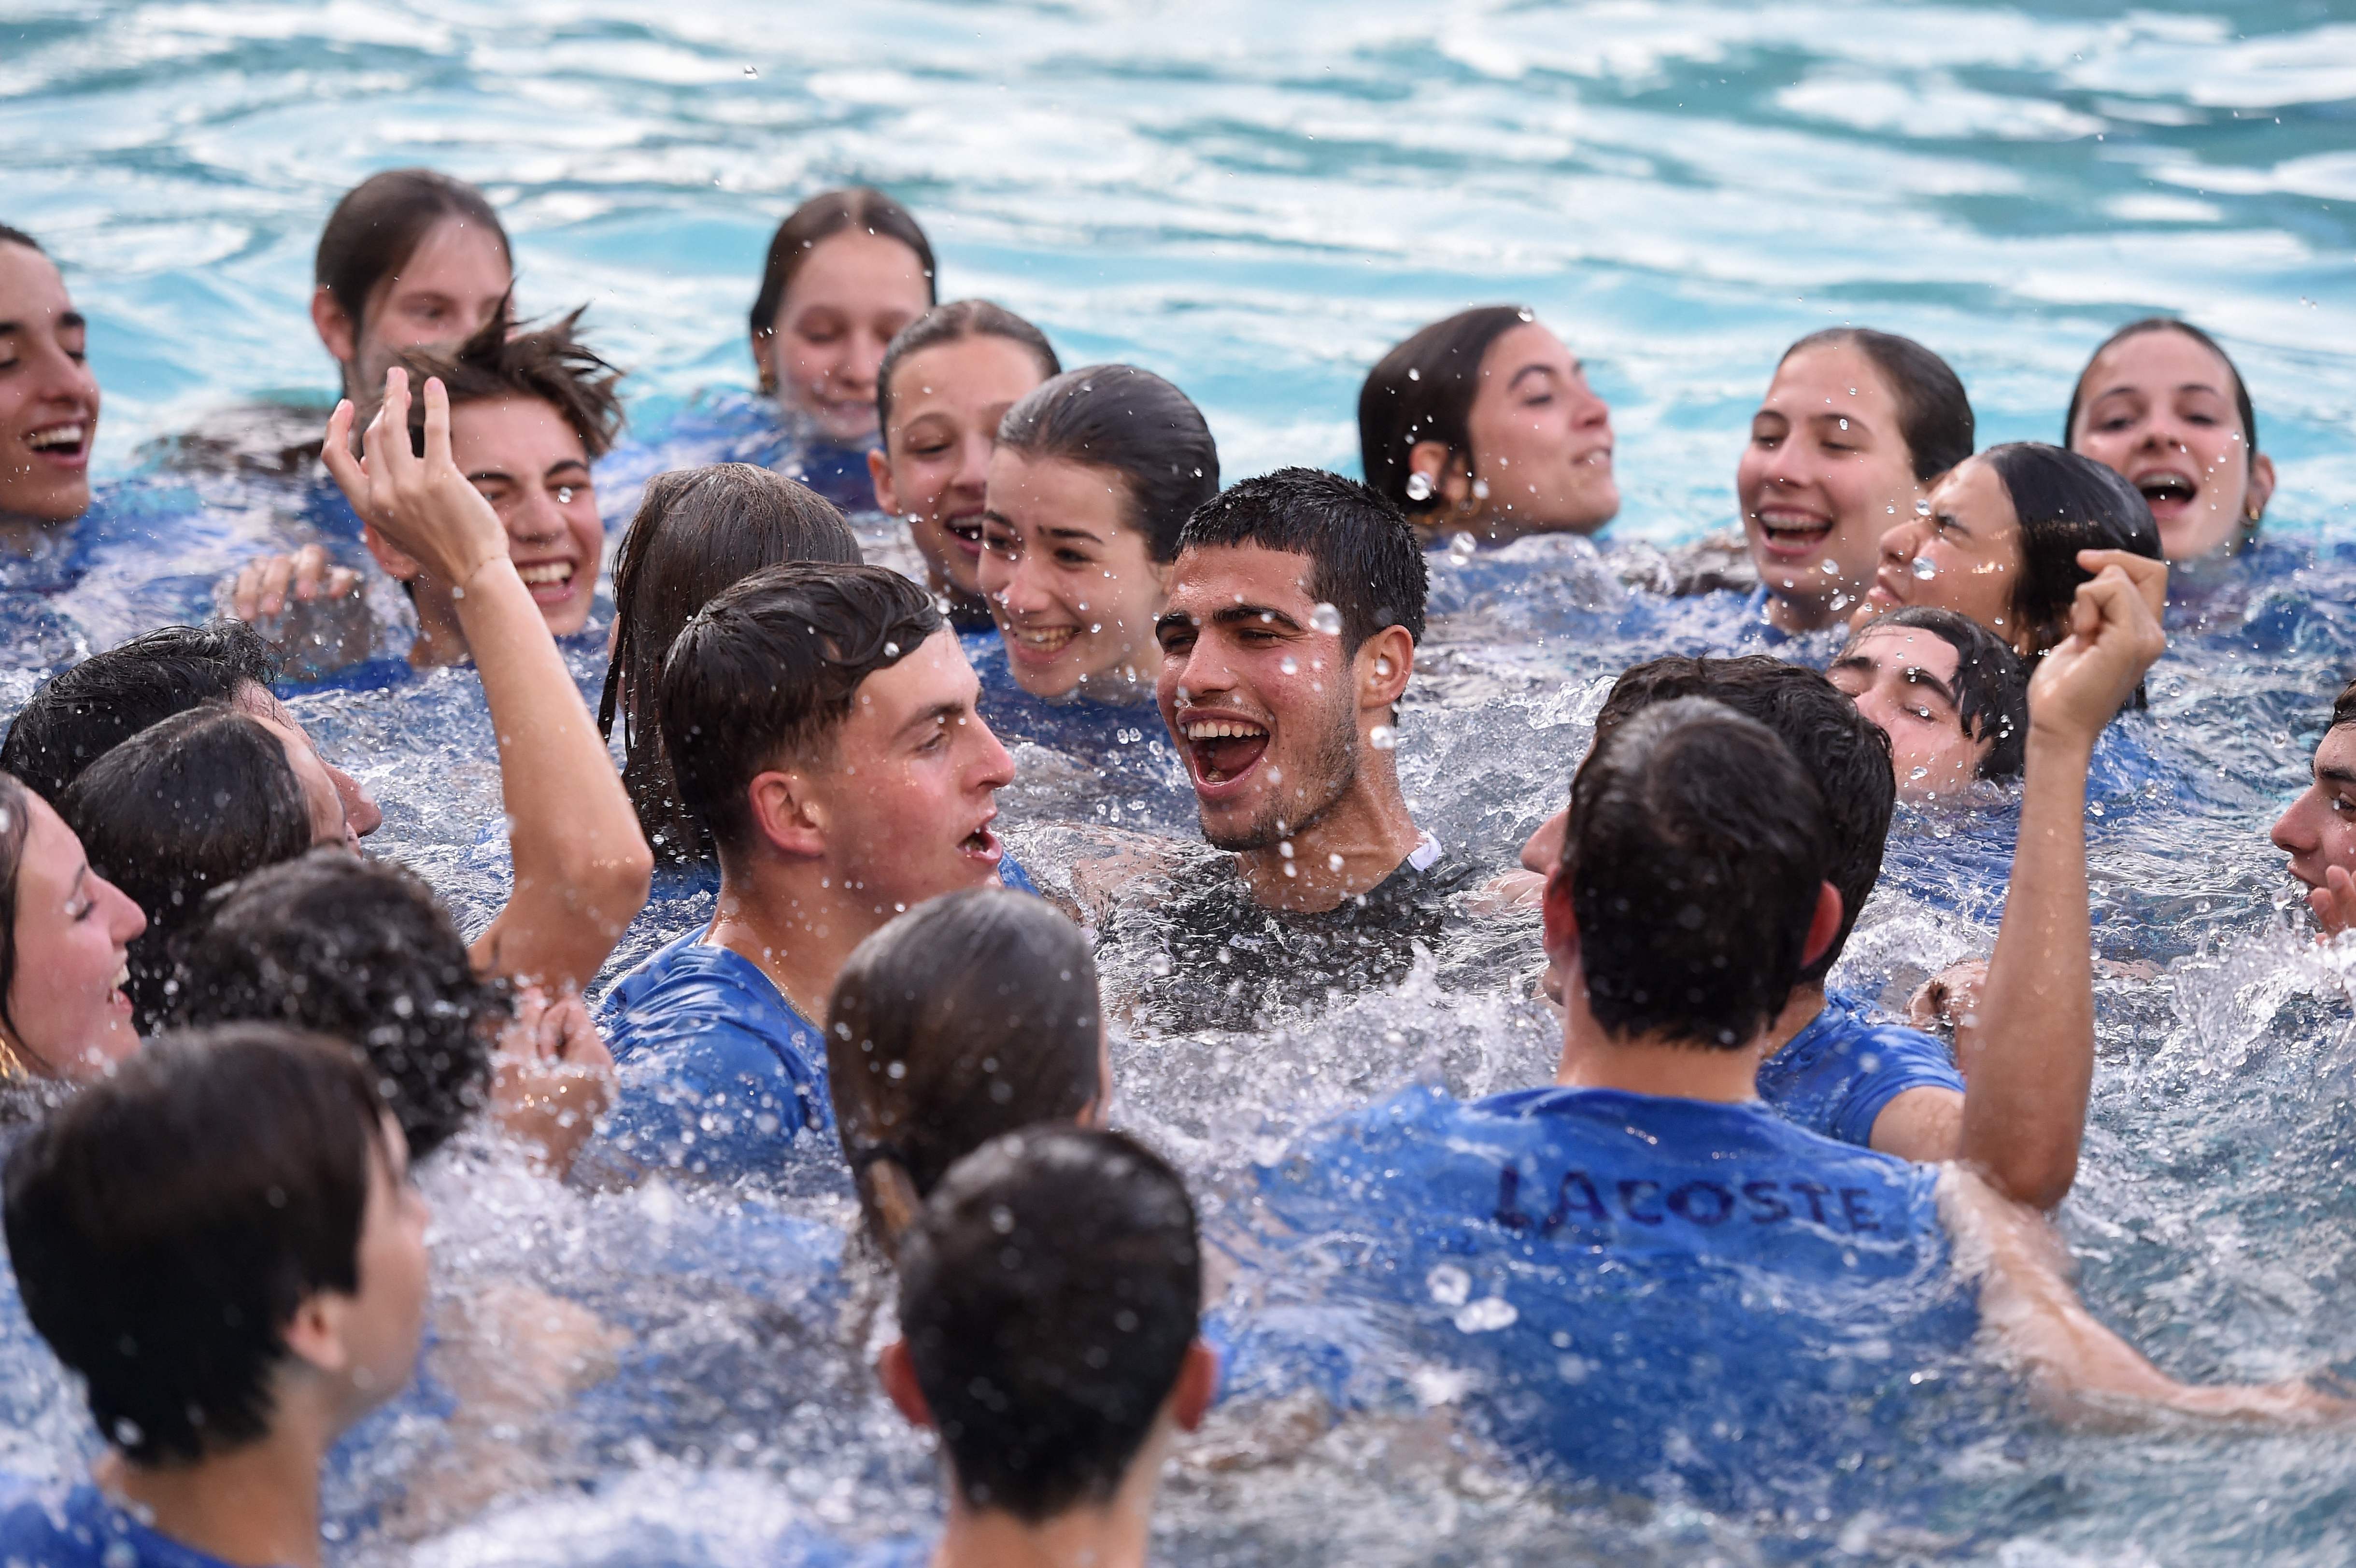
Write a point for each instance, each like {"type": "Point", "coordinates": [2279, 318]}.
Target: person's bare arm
{"type": "Point", "coordinates": [581, 866]}
{"type": "Point", "coordinates": [2030, 1064]}
{"type": "Point", "coordinates": [1925, 1123]}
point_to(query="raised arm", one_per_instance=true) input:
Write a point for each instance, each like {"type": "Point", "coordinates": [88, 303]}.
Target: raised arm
{"type": "Point", "coordinates": [581, 866]}
{"type": "Point", "coordinates": [2029, 1062]}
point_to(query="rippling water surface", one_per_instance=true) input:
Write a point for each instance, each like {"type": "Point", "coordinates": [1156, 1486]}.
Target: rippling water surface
{"type": "Point", "coordinates": [1255, 200]}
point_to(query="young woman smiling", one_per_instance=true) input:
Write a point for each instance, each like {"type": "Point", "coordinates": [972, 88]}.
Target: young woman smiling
{"type": "Point", "coordinates": [2161, 403]}
{"type": "Point", "coordinates": [1094, 475]}
{"type": "Point", "coordinates": [1854, 428]}
{"type": "Point", "coordinates": [65, 943]}
{"type": "Point", "coordinates": [845, 272]}
{"type": "Point", "coordinates": [48, 399]}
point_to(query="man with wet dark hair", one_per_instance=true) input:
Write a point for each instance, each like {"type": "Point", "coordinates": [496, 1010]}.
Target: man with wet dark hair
{"type": "Point", "coordinates": [221, 1240]}
{"type": "Point", "coordinates": [1950, 696]}
{"type": "Point", "coordinates": [1049, 1300]}
{"type": "Point", "coordinates": [819, 720]}
{"type": "Point", "coordinates": [2319, 831]}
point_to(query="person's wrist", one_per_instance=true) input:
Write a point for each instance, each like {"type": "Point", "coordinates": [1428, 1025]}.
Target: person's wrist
{"type": "Point", "coordinates": [2062, 738]}
{"type": "Point", "coordinates": [485, 569]}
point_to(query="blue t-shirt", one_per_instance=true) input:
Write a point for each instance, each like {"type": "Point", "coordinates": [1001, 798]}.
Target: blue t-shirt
{"type": "Point", "coordinates": [1835, 1076]}
{"type": "Point", "coordinates": [79, 1529]}
{"type": "Point", "coordinates": [1643, 1292]}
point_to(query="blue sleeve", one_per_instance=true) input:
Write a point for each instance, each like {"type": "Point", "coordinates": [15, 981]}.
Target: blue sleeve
{"type": "Point", "coordinates": [1012, 875]}
{"type": "Point", "coordinates": [712, 1097]}
{"type": "Point", "coordinates": [1837, 1081]}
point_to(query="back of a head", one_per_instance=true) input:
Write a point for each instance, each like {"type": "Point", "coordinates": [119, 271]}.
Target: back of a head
{"type": "Point", "coordinates": [1841, 749]}
{"type": "Point", "coordinates": [1423, 390]}
{"type": "Point", "coordinates": [969, 1016]}
{"type": "Point", "coordinates": [1048, 1296]}
{"type": "Point", "coordinates": [698, 531]}
{"type": "Point", "coordinates": [88, 710]}
{"type": "Point", "coordinates": [1364, 558]}
{"type": "Point", "coordinates": [183, 807]}
{"type": "Point", "coordinates": [1934, 413]}
{"type": "Point", "coordinates": [2066, 502]}
{"type": "Point", "coordinates": [360, 950]}
{"type": "Point", "coordinates": [1697, 845]}
{"type": "Point", "coordinates": [549, 364]}
{"type": "Point", "coordinates": [768, 671]}
{"type": "Point", "coordinates": [1991, 686]}
{"type": "Point", "coordinates": [166, 1221]}
{"type": "Point", "coordinates": [824, 214]}
{"type": "Point", "coordinates": [1133, 422]}
{"type": "Point", "coordinates": [379, 223]}
{"type": "Point", "coordinates": [954, 322]}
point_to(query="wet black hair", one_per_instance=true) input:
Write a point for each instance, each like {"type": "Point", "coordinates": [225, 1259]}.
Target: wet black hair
{"type": "Point", "coordinates": [183, 807]}
{"type": "Point", "coordinates": [360, 950]}
{"type": "Point", "coordinates": [1843, 751]}
{"type": "Point", "coordinates": [18, 236]}
{"type": "Point", "coordinates": [1364, 559]}
{"type": "Point", "coordinates": [549, 363]}
{"type": "Point", "coordinates": [1695, 846]}
{"type": "Point", "coordinates": [2066, 502]}
{"type": "Point", "coordinates": [696, 532]}
{"type": "Point", "coordinates": [1423, 390]}
{"type": "Point", "coordinates": [1133, 422]}
{"type": "Point", "coordinates": [2343, 706]}
{"type": "Point", "coordinates": [970, 1016]}
{"type": "Point", "coordinates": [381, 222]}
{"type": "Point", "coordinates": [1991, 686]}
{"type": "Point", "coordinates": [1934, 413]}
{"type": "Point", "coordinates": [769, 670]}
{"type": "Point", "coordinates": [16, 822]}
{"type": "Point", "coordinates": [2242, 404]}
{"type": "Point", "coordinates": [822, 217]}
{"type": "Point", "coordinates": [168, 1221]}
{"type": "Point", "coordinates": [954, 322]}
{"type": "Point", "coordinates": [1048, 1296]}
{"type": "Point", "coordinates": [86, 711]}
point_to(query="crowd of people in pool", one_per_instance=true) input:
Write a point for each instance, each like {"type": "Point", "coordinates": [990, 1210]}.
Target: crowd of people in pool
{"type": "Point", "coordinates": [227, 1031]}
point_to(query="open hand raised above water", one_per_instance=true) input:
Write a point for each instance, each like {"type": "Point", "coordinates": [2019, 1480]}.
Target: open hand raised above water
{"type": "Point", "coordinates": [423, 507]}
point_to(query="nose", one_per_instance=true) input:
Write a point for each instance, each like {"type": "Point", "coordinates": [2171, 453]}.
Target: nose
{"type": "Point", "coordinates": [864, 362]}
{"type": "Point", "coordinates": [59, 380]}
{"type": "Point", "coordinates": [1898, 543]}
{"type": "Point", "coordinates": [536, 519]}
{"type": "Point", "coordinates": [1025, 591]}
{"type": "Point", "coordinates": [124, 919]}
{"type": "Point", "coordinates": [360, 812]}
{"type": "Point", "coordinates": [1588, 411]}
{"type": "Point", "coordinates": [974, 461]}
{"type": "Point", "coordinates": [1787, 465]}
{"type": "Point", "coordinates": [2293, 833]}
{"type": "Point", "coordinates": [1542, 851]}
{"type": "Point", "coordinates": [997, 763]}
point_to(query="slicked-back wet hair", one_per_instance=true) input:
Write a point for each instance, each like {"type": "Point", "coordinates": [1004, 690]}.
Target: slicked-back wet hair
{"type": "Point", "coordinates": [1991, 686]}
{"type": "Point", "coordinates": [2066, 502]}
{"type": "Point", "coordinates": [1844, 752]}
{"type": "Point", "coordinates": [971, 1016]}
{"type": "Point", "coordinates": [767, 672]}
{"type": "Point", "coordinates": [166, 1222]}
{"type": "Point", "coordinates": [1696, 847]}
{"type": "Point", "coordinates": [1934, 413]}
{"type": "Point", "coordinates": [362, 951]}
{"type": "Point", "coordinates": [698, 531]}
{"type": "Point", "coordinates": [86, 711]}
{"type": "Point", "coordinates": [1363, 556]}
{"type": "Point", "coordinates": [550, 364]}
{"type": "Point", "coordinates": [1048, 1296]}
{"type": "Point", "coordinates": [181, 808]}
{"type": "Point", "coordinates": [18, 236]}
{"type": "Point", "coordinates": [822, 217]}
{"type": "Point", "coordinates": [954, 322]}
{"type": "Point", "coordinates": [2242, 404]}
{"type": "Point", "coordinates": [379, 225]}
{"type": "Point", "coordinates": [2343, 708]}
{"type": "Point", "coordinates": [1133, 422]}
{"type": "Point", "coordinates": [1423, 390]}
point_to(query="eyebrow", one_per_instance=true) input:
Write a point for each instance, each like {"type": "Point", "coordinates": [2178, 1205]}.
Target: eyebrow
{"type": "Point", "coordinates": [938, 713]}
{"type": "Point", "coordinates": [1856, 661]}
{"type": "Point", "coordinates": [2343, 777]}
{"type": "Point", "coordinates": [1529, 370]}
{"type": "Point", "coordinates": [1234, 615]}
{"type": "Point", "coordinates": [561, 464]}
{"type": "Point", "coordinates": [2179, 386]}
{"type": "Point", "coordinates": [1915, 675]}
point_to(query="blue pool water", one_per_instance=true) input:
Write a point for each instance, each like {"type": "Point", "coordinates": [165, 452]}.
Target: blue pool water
{"type": "Point", "coordinates": [1254, 201]}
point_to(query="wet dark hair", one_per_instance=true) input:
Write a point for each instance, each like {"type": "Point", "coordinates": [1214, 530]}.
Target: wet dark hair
{"type": "Point", "coordinates": [970, 1016]}
{"type": "Point", "coordinates": [1133, 422]}
{"type": "Point", "coordinates": [1934, 414]}
{"type": "Point", "coordinates": [822, 217]}
{"type": "Point", "coordinates": [2343, 708]}
{"type": "Point", "coordinates": [770, 668]}
{"type": "Point", "coordinates": [84, 712]}
{"type": "Point", "coordinates": [18, 236]}
{"type": "Point", "coordinates": [1423, 390]}
{"type": "Point", "coordinates": [1364, 559]}
{"type": "Point", "coordinates": [2242, 404]}
{"type": "Point", "coordinates": [954, 322]}
{"type": "Point", "coordinates": [549, 363]}
{"type": "Point", "coordinates": [362, 951]}
{"type": "Point", "coordinates": [183, 807]}
{"type": "Point", "coordinates": [168, 1220]}
{"type": "Point", "coordinates": [1843, 751]}
{"type": "Point", "coordinates": [16, 822]}
{"type": "Point", "coordinates": [1991, 686]}
{"type": "Point", "coordinates": [2066, 502]}
{"type": "Point", "coordinates": [1695, 846]}
{"type": "Point", "coordinates": [1048, 1296]}
{"type": "Point", "coordinates": [696, 532]}
{"type": "Point", "coordinates": [379, 225]}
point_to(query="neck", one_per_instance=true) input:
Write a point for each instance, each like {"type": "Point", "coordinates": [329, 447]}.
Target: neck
{"type": "Point", "coordinates": [1798, 1013]}
{"type": "Point", "coordinates": [1369, 830]}
{"type": "Point", "coordinates": [19, 534]}
{"type": "Point", "coordinates": [1125, 684]}
{"type": "Point", "coordinates": [1091, 1535]}
{"type": "Point", "coordinates": [1652, 1064]}
{"type": "Point", "coordinates": [256, 1507]}
{"type": "Point", "coordinates": [795, 921]}
{"type": "Point", "coordinates": [1787, 614]}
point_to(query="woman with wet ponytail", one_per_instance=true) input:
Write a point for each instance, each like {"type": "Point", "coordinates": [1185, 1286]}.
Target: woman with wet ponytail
{"type": "Point", "coordinates": [971, 1016]}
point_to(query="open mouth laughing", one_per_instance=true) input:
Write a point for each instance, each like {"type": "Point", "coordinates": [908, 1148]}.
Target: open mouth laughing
{"type": "Point", "coordinates": [981, 844]}
{"type": "Point", "coordinates": [1790, 534]}
{"type": "Point", "coordinates": [1039, 644]}
{"type": "Point", "coordinates": [1222, 747]}
{"type": "Point", "coordinates": [67, 444]}
{"type": "Point", "coordinates": [2168, 491]}
{"type": "Point", "coordinates": [551, 581]}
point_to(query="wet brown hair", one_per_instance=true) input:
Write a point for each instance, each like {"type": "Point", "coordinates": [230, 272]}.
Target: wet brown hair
{"type": "Point", "coordinates": [381, 222]}
{"type": "Point", "coordinates": [954, 322]}
{"type": "Point", "coordinates": [550, 364]}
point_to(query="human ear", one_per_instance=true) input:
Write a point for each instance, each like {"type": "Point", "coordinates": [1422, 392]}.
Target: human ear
{"type": "Point", "coordinates": [1558, 920]}
{"type": "Point", "coordinates": [887, 498]}
{"type": "Point", "coordinates": [314, 1334]}
{"type": "Point", "coordinates": [764, 365]}
{"type": "Point", "coordinates": [1824, 926]}
{"type": "Point", "coordinates": [1385, 661]}
{"type": "Point", "coordinates": [397, 566]}
{"type": "Point", "coordinates": [334, 325]}
{"type": "Point", "coordinates": [1447, 473]}
{"type": "Point", "coordinates": [896, 1370]}
{"type": "Point", "coordinates": [787, 815]}
{"type": "Point", "coordinates": [2262, 486]}
{"type": "Point", "coordinates": [1197, 1385]}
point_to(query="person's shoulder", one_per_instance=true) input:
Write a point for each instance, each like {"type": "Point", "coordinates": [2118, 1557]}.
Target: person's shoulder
{"type": "Point", "coordinates": [60, 1528]}
{"type": "Point", "coordinates": [691, 987]}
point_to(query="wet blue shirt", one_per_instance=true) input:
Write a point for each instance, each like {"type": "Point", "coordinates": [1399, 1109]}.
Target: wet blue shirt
{"type": "Point", "coordinates": [1839, 1074]}
{"type": "Point", "coordinates": [1640, 1291]}
{"type": "Point", "coordinates": [79, 1529]}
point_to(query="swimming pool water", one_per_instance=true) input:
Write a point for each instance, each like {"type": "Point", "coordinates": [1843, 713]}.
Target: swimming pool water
{"type": "Point", "coordinates": [1254, 201]}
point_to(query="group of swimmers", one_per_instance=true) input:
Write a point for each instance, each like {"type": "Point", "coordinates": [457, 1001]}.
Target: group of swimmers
{"type": "Point", "coordinates": [226, 1031]}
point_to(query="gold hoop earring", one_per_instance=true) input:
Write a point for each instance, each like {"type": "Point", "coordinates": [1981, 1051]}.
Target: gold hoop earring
{"type": "Point", "coordinates": [12, 1066]}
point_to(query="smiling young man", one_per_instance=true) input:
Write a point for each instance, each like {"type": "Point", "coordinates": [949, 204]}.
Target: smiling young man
{"type": "Point", "coordinates": [48, 399]}
{"type": "Point", "coordinates": [821, 719]}
{"type": "Point", "coordinates": [1952, 698]}
{"type": "Point", "coordinates": [2319, 831]}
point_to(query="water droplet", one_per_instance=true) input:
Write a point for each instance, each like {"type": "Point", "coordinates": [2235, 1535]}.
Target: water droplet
{"type": "Point", "coordinates": [1450, 1285]}
{"type": "Point", "coordinates": [1922, 507]}
{"type": "Point", "coordinates": [752, 70]}
{"type": "Point", "coordinates": [1326, 619]}
{"type": "Point", "coordinates": [1461, 546]}
{"type": "Point", "coordinates": [1828, 566]}
{"type": "Point", "coordinates": [1490, 1313]}
{"type": "Point", "coordinates": [1418, 486]}
{"type": "Point", "coordinates": [1920, 773]}
{"type": "Point", "coordinates": [1923, 568]}
{"type": "Point", "coordinates": [1001, 1219]}
{"type": "Point", "coordinates": [1480, 489]}
{"type": "Point", "coordinates": [1382, 738]}
{"type": "Point", "coordinates": [1413, 374]}
{"type": "Point", "coordinates": [1289, 664]}
{"type": "Point", "coordinates": [1285, 848]}
{"type": "Point", "coordinates": [1333, 862]}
